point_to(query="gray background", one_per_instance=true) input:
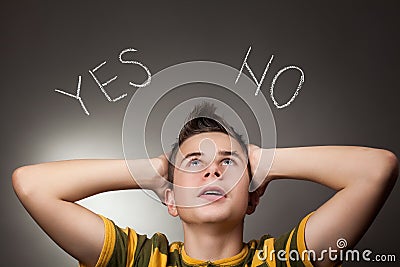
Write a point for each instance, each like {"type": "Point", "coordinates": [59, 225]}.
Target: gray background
{"type": "Point", "coordinates": [349, 51]}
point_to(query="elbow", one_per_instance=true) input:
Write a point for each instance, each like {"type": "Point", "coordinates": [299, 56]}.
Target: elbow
{"type": "Point", "coordinates": [387, 167]}
{"type": "Point", "coordinates": [22, 182]}
{"type": "Point", "coordinates": [393, 162]}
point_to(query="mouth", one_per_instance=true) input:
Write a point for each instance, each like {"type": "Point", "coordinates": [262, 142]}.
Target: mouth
{"type": "Point", "coordinates": [212, 193]}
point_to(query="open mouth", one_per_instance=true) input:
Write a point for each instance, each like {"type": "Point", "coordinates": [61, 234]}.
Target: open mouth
{"type": "Point", "coordinates": [212, 193]}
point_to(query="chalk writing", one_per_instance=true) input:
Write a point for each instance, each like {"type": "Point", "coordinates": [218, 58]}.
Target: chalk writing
{"type": "Point", "coordinates": [102, 85]}
{"type": "Point", "coordinates": [136, 63]}
{"type": "Point", "coordinates": [259, 83]}
{"type": "Point", "coordinates": [245, 64]}
{"type": "Point", "coordinates": [77, 96]}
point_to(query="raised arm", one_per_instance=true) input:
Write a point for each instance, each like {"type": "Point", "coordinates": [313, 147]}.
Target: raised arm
{"type": "Point", "coordinates": [363, 178]}
{"type": "Point", "coordinates": [48, 192]}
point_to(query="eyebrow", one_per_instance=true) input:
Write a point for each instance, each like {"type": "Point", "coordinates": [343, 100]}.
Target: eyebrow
{"type": "Point", "coordinates": [221, 153]}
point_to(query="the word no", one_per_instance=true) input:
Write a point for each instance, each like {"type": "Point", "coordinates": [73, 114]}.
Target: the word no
{"type": "Point", "coordinates": [259, 83]}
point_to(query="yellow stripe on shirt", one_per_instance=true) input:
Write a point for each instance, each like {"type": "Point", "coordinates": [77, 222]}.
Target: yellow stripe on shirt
{"type": "Point", "coordinates": [301, 242]}
{"type": "Point", "coordinates": [157, 258]}
{"type": "Point", "coordinates": [132, 242]}
{"type": "Point", "coordinates": [109, 242]}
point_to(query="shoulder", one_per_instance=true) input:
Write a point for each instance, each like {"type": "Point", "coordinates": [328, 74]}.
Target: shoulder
{"type": "Point", "coordinates": [289, 248]}
{"type": "Point", "coordinates": [124, 246]}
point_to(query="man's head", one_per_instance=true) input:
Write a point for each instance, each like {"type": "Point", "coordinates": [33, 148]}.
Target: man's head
{"type": "Point", "coordinates": [202, 119]}
{"type": "Point", "coordinates": [209, 170]}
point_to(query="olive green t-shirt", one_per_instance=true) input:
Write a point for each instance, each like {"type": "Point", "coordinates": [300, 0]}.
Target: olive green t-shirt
{"type": "Point", "coordinates": [125, 247]}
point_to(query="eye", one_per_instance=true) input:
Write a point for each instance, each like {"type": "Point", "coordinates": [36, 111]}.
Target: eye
{"type": "Point", "coordinates": [227, 162]}
{"type": "Point", "coordinates": [194, 162]}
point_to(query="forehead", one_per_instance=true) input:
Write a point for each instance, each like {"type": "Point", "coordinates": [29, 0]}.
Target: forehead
{"type": "Point", "coordinates": [208, 141]}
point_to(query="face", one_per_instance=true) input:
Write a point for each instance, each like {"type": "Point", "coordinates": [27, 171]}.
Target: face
{"type": "Point", "coordinates": [210, 180]}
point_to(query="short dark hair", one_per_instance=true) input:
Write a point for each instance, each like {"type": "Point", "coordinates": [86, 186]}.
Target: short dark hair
{"type": "Point", "coordinates": [202, 119]}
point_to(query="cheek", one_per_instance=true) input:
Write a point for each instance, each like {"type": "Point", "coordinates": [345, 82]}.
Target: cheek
{"type": "Point", "coordinates": [242, 202]}
{"type": "Point", "coordinates": [242, 188]}
{"type": "Point", "coordinates": [187, 179]}
{"type": "Point", "coordinates": [236, 177]}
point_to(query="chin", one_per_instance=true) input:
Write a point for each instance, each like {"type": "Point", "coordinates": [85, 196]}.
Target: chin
{"type": "Point", "coordinates": [217, 214]}
{"type": "Point", "coordinates": [208, 215]}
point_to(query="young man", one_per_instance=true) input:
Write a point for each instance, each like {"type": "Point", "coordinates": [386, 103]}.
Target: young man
{"type": "Point", "coordinates": [211, 172]}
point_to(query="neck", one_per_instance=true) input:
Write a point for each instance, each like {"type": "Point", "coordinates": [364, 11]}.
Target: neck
{"type": "Point", "coordinates": [209, 243]}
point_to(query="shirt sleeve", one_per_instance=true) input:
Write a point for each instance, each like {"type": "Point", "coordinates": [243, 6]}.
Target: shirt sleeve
{"type": "Point", "coordinates": [288, 250]}
{"type": "Point", "coordinates": [124, 247]}
{"type": "Point", "coordinates": [291, 249]}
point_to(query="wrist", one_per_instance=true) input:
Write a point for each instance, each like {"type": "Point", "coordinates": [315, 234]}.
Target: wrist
{"type": "Point", "coordinates": [261, 163]}
{"type": "Point", "coordinates": [146, 172]}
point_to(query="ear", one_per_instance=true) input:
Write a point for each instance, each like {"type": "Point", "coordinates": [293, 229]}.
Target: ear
{"type": "Point", "coordinates": [170, 202]}
{"type": "Point", "coordinates": [254, 199]}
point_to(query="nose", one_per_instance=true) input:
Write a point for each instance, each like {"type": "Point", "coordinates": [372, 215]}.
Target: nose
{"type": "Point", "coordinates": [212, 171]}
